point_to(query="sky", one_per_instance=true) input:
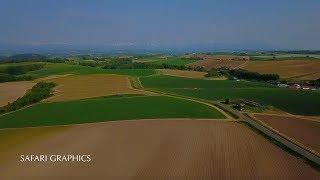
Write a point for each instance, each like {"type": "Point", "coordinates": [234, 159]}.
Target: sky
{"type": "Point", "coordinates": [275, 23]}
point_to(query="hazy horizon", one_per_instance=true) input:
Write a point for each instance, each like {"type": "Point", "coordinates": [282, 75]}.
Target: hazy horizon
{"type": "Point", "coordinates": [285, 24]}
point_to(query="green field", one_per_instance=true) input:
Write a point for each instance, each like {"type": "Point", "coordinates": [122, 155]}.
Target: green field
{"type": "Point", "coordinates": [177, 61]}
{"type": "Point", "coordinates": [62, 68]}
{"type": "Point", "coordinates": [292, 101]}
{"type": "Point", "coordinates": [107, 109]}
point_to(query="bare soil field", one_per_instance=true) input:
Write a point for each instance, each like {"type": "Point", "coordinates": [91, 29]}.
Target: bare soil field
{"type": "Point", "coordinates": [88, 86]}
{"type": "Point", "coordinates": [302, 129]}
{"type": "Point", "coordinates": [183, 73]}
{"type": "Point", "coordinates": [158, 149]}
{"type": "Point", "coordinates": [230, 61]}
{"type": "Point", "coordinates": [10, 91]}
{"type": "Point", "coordinates": [297, 69]}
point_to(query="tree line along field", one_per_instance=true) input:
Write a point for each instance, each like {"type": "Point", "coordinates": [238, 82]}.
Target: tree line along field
{"type": "Point", "coordinates": [175, 61]}
{"type": "Point", "coordinates": [293, 101]}
{"type": "Point", "coordinates": [107, 109]}
{"type": "Point", "coordinates": [63, 68]}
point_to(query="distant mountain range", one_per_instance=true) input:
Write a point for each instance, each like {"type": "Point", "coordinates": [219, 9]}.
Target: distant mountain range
{"type": "Point", "coordinates": [132, 48]}
{"type": "Point", "coordinates": [128, 48]}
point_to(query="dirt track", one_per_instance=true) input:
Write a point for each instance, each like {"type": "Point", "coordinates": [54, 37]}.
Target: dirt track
{"type": "Point", "coordinates": [159, 150]}
{"type": "Point", "coordinates": [10, 91]}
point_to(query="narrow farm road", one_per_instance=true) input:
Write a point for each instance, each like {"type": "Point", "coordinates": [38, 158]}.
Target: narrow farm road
{"type": "Point", "coordinates": [292, 145]}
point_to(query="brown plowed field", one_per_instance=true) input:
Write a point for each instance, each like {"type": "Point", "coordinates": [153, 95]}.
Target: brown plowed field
{"type": "Point", "coordinates": [297, 69]}
{"type": "Point", "coordinates": [183, 73]}
{"type": "Point", "coordinates": [230, 61]}
{"type": "Point", "coordinates": [303, 130]}
{"type": "Point", "coordinates": [158, 149]}
{"type": "Point", "coordinates": [87, 86]}
{"type": "Point", "coordinates": [10, 91]}
{"type": "Point", "coordinates": [209, 64]}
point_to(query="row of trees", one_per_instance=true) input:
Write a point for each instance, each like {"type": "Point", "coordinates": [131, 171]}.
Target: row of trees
{"type": "Point", "coordinates": [16, 72]}
{"type": "Point", "coordinates": [40, 91]}
{"type": "Point", "coordinates": [129, 64]}
{"type": "Point", "coordinates": [242, 74]}
{"type": "Point", "coordinates": [20, 68]}
{"type": "Point", "coordinates": [8, 78]}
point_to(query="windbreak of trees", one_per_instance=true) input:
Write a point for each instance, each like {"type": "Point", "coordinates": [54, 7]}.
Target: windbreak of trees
{"type": "Point", "coordinates": [31, 58]}
{"type": "Point", "coordinates": [20, 69]}
{"type": "Point", "coordinates": [242, 74]}
{"type": "Point", "coordinates": [8, 78]}
{"type": "Point", "coordinates": [89, 63]}
{"type": "Point", "coordinates": [15, 72]}
{"type": "Point", "coordinates": [214, 73]}
{"type": "Point", "coordinates": [129, 64]}
{"type": "Point", "coordinates": [40, 91]}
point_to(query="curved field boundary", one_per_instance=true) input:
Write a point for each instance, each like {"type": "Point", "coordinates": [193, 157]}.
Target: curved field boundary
{"type": "Point", "coordinates": [108, 109]}
{"type": "Point", "coordinates": [296, 146]}
{"type": "Point", "coordinates": [194, 100]}
{"type": "Point", "coordinates": [125, 120]}
{"type": "Point", "coordinates": [284, 135]}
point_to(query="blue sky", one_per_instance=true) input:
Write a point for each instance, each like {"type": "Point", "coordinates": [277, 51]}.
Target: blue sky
{"type": "Point", "coordinates": [278, 23]}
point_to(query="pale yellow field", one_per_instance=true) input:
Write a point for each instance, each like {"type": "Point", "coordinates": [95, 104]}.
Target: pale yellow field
{"type": "Point", "coordinates": [87, 86]}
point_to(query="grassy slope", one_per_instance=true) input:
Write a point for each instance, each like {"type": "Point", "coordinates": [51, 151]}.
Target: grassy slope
{"type": "Point", "coordinates": [107, 109]}
{"type": "Point", "coordinates": [61, 68]}
{"type": "Point", "coordinates": [293, 101]}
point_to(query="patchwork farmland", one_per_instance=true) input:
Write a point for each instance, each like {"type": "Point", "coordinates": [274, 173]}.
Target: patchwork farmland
{"type": "Point", "coordinates": [156, 120]}
{"type": "Point", "coordinates": [159, 90]}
